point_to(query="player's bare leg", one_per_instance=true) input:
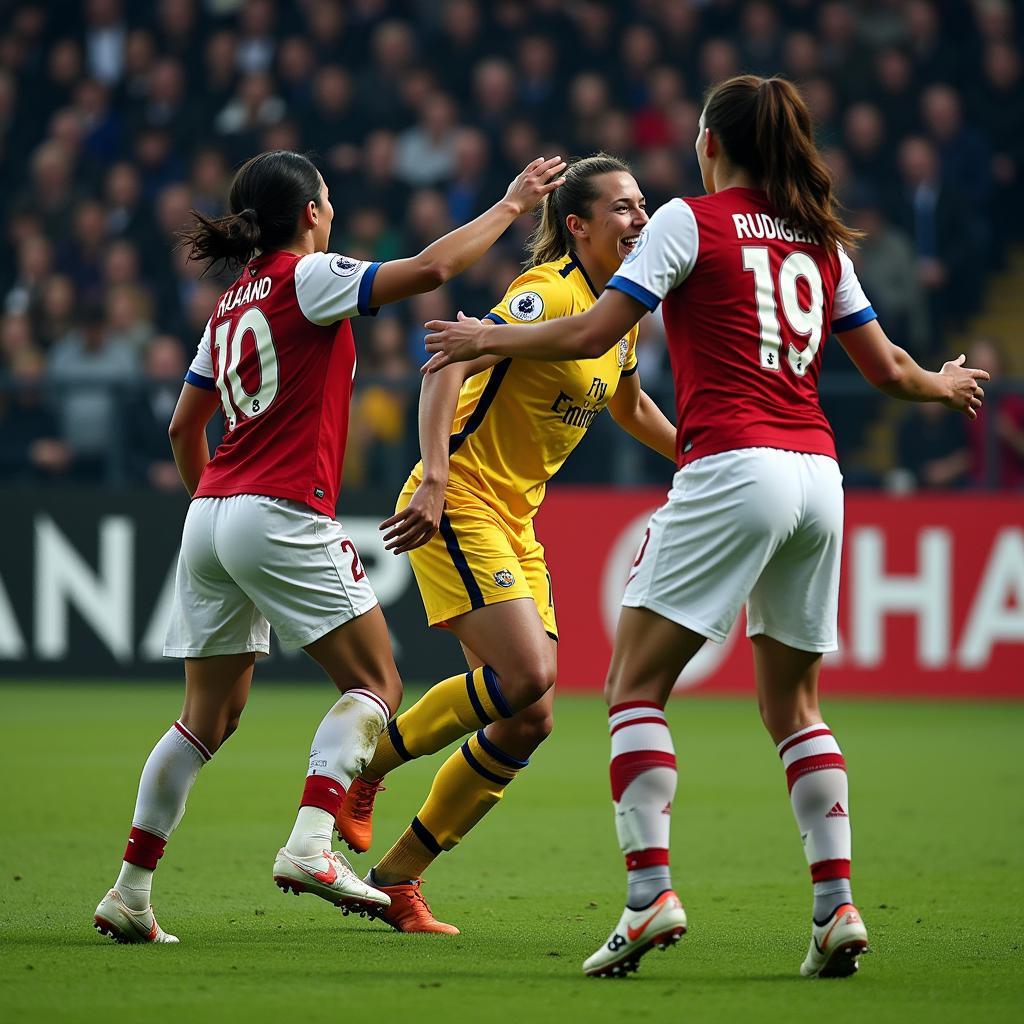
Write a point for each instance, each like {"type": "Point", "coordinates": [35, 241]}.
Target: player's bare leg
{"type": "Point", "coordinates": [216, 691]}
{"type": "Point", "coordinates": [787, 690]}
{"type": "Point", "coordinates": [650, 652]}
{"type": "Point", "coordinates": [474, 778]}
{"type": "Point", "coordinates": [357, 656]}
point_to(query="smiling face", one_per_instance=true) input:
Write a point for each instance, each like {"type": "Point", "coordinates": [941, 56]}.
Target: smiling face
{"type": "Point", "coordinates": [617, 216]}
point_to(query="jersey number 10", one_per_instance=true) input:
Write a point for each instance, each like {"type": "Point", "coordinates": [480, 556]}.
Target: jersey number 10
{"type": "Point", "coordinates": [235, 400]}
{"type": "Point", "coordinates": [806, 322]}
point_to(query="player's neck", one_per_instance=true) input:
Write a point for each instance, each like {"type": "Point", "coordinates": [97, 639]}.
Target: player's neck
{"type": "Point", "coordinates": [598, 274]}
{"type": "Point", "coordinates": [302, 245]}
{"type": "Point", "coordinates": [733, 177]}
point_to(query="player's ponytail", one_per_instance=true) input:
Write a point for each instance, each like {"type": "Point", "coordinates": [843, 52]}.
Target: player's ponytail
{"type": "Point", "coordinates": [764, 127]}
{"type": "Point", "coordinates": [551, 239]}
{"type": "Point", "coordinates": [268, 194]}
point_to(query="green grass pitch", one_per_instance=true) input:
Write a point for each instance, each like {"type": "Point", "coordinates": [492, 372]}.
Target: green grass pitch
{"type": "Point", "coordinates": [938, 831]}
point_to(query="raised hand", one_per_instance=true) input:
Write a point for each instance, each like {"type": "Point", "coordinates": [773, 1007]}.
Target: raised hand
{"type": "Point", "coordinates": [534, 182]}
{"type": "Point", "coordinates": [965, 394]}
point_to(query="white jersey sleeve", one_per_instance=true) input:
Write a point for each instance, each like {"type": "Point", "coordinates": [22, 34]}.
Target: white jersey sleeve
{"type": "Point", "coordinates": [663, 257]}
{"type": "Point", "coordinates": [330, 287]}
{"type": "Point", "coordinates": [200, 373]}
{"type": "Point", "coordinates": [850, 306]}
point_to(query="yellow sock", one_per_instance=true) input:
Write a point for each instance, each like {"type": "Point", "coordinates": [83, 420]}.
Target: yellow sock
{"type": "Point", "coordinates": [465, 788]}
{"type": "Point", "coordinates": [445, 712]}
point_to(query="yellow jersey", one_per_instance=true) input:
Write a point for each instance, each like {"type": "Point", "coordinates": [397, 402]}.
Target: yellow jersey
{"type": "Point", "coordinates": [517, 422]}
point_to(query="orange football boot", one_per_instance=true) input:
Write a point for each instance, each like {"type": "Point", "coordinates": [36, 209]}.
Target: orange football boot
{"type": "Point", "coordinates": [355, 819]}
{"type": "Point", "coordinates": [409, 911]}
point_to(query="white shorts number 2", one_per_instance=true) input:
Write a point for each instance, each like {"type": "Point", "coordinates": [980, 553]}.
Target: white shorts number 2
{"type": "Point", "coordinates": [250, 562]}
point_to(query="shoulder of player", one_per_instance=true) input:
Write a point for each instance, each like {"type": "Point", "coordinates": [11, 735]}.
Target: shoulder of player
{"type": "Point", "coordinates": [539, 293]}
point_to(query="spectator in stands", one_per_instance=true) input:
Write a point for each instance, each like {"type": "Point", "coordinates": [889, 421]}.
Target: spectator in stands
{"type": "Point", "coordinates": [936, 218]}
{"type": "Point", "coordinates": [932, 450]}
{"type": "Point", "coordinates": [86, 369]}
{"type": "Point", "coordinates": [56, 314]}
{"type": "Point", "coordinates": [35, 262]}
{"type": "Point", "coordinates": [425, 153]}
{"type": "Point", "coordinates": [998, 110]}
{"type": "Point", "coordinates": [382, 420]}
{"type": "Point", "coordinates": [148, 414]}
{"type": "Point", "coordinates": [888, 271]}
{"type": "Point", "coordinates": [997, 436]}
{"type": "Point", "coordinates": [30, 446]}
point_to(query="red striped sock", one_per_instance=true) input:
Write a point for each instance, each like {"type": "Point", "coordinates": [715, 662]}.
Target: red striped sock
{"type": "Point", "coordinates": [643, 780]}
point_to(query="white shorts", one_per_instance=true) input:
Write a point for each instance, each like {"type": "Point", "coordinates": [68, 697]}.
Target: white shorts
{"type": "Point", "coordinates": [759, 525]}
{"type": "Point", "coordinates": [249, 562]}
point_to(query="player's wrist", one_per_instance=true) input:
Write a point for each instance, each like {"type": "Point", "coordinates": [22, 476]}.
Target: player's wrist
{"type": "Point", "coordinates": [512, 208]}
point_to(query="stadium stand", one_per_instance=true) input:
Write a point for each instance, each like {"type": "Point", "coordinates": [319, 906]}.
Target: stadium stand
{"type": "Point", "coordinates": [117, 119]}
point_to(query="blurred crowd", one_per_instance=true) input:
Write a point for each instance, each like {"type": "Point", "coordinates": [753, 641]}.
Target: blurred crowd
{"type": "Point", "coordinates": [117, 119]}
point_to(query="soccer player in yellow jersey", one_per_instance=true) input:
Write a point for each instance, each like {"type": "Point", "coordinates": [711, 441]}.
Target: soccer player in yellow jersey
{"type": "Point", "coordinates": [492, 433]}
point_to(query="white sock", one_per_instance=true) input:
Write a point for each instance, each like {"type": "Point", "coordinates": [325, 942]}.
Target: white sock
{"type": "Point", "coordinates": [643, 778]}
{"type": "Point", "coordinates": [819, 793]}
{"type": "Point", "coordinates": [312, 833]}
{"type": "Point", "coordinates": [342, 747]}
{"type": "Point", "coordinates": [135, 884]}
{"type": "Point", "coordinates": [347, 737]}
{"type": "Point", "coordinates": [167, 778]}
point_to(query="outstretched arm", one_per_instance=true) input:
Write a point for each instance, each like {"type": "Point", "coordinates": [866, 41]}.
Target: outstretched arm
{"type": "Point", "coordinates": [894, 371]}
{"type": "Point", "coordinates": [635, 411]}
{"type": "Point", "coordinates": [584, 336]}
{"type": "Point", "coordinates": [450, 255]}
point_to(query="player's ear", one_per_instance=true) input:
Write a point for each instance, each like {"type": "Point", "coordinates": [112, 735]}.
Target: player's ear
{"type": "Point", "coordinates": [575, 225]}
{"type": "Point", "coordinates": [710, 143]}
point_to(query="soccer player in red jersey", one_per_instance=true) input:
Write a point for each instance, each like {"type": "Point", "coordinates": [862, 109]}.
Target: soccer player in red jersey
{"type": "Point", "coordinates": [753, 276]}
{"type": "Point", "coordinates": [260, 545]}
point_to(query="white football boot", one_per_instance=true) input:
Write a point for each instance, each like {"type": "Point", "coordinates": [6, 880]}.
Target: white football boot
{"type": "Point", "coordinates": [836, 945]}
{"type": "Point", "coordinates": [661, 924]}
{"type": "Point", "coordinates": [329, 876]}
{"type": "Point", "coordinates": [115, 918]}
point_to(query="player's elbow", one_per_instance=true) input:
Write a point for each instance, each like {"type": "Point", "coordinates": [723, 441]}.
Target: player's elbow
{"type": "Point", "coordinates": [433, 273]}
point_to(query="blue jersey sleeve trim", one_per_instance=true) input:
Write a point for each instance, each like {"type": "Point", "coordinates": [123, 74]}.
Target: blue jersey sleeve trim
{"type": "Point", "coordinates": [495, 318]}
{"type": "Point", "coordinates": [199, 381]}
{"type": "Point", "coordinates": [858, 319]}
{"type": "Point", "coordinates": [635, 291]}
{"type": "Point", "coordinates": [365, 288]}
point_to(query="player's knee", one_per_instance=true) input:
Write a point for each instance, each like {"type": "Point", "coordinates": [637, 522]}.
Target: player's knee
{"type": "Point", "coordinates": [530, 680]}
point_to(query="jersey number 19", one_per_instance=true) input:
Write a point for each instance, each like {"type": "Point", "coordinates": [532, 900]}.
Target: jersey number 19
{"type": "Point", "coordinates": [806, 322]}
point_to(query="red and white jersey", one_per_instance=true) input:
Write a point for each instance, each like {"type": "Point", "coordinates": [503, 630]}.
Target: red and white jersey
{"type": "Point", "coordinates": [279, 349]}
{"type": "Point", "coordinates": [749, 301]}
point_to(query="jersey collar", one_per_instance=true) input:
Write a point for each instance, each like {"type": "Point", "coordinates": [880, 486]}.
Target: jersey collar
{"type": "Point", "coordinates": [574, 264]}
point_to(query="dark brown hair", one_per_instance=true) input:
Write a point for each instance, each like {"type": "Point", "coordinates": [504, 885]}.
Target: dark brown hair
{"type": "Point", "coordinates": [268, 194]}
{"type": "Point", "coordinates": [551, 237]}
{"type": "Point", "coordinates": [765, 128]}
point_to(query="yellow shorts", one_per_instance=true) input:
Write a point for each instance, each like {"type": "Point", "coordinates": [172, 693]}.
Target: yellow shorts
{"type": "Point", "coordinates": [477, 559]}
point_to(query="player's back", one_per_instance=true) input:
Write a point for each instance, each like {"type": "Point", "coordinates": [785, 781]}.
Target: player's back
{"type": "Point", "coordinates": [280, 351]}
{"type": "Point", "coordinates": [748, 303]}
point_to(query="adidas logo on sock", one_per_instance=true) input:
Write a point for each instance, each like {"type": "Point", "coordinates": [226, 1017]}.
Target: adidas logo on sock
{"type": "Point", "coordinates": [837, 811]}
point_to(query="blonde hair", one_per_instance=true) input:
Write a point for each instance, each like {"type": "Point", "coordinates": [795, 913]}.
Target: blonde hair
{"type": "Point", "coordinates": [551, 238]}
